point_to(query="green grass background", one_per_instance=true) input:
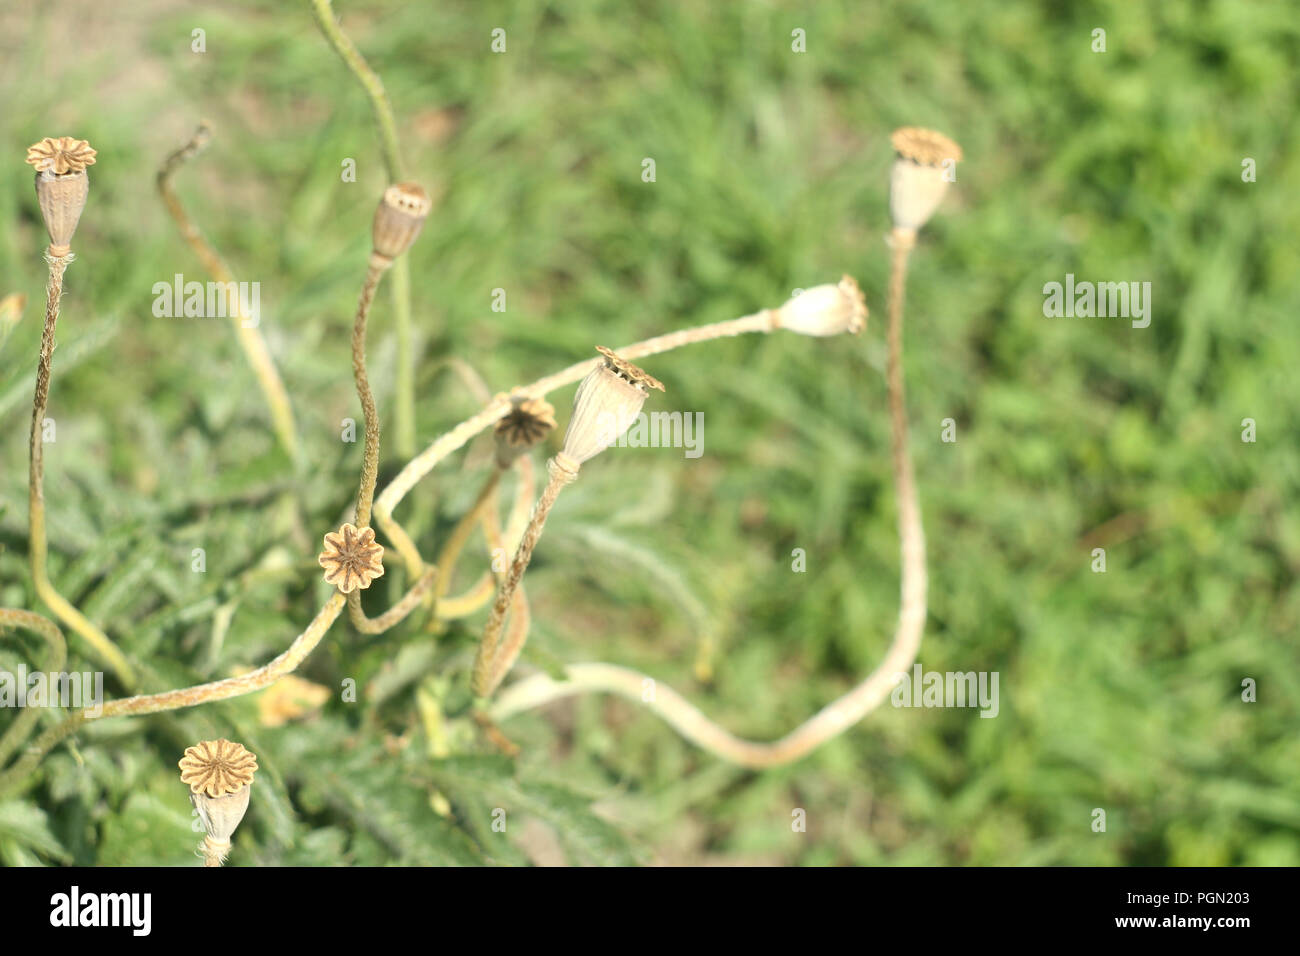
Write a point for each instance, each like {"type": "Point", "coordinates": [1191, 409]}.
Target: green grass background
{"type": "Point", "coordinates": [1119, 691]}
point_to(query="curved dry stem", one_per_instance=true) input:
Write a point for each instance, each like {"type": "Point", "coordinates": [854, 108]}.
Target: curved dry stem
{"type": "Point", "coordinates": [254, 680]}
{"type": "Point", "coordinates": [62, 608]}
{"type": "Point", "coordinates": [22, 724]}
{"type": "Point", "coordinates": [250, 339]}
{"type": "Point", "coordinates": [395, 614]}
{"type": "Point", "coordinates": [847, 710]}
{"type": "Point", "coordinates": [404, 386]}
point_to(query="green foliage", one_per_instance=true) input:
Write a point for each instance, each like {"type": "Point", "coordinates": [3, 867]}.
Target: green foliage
{"type": "Point", "coordinates": [1118, 690]}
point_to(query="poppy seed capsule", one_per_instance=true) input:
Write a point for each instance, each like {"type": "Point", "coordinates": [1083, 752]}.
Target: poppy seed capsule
{"type": "Point", "coordinates": [920, 175]}
{"type": "Point", "coordinates": [219, 774]}
{"type": "Point", "coordinates": [61, 186]}
{"type": "Point", "coordinates": [606, 402]}
{"type": "Point", "coordinates": [825, 310]}
{"type": "Point", "coordinates": [399, 219]}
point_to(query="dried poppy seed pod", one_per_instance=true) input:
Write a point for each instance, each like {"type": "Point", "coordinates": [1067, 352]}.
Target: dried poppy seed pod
{"type": "Point", "coordinates": [825, 310]}
{"type": "Point", "coordinates": [526, 425]}
{"type": "Point", "coordinates": [920, 175]}
{"type": "Point", "coordinates": [352, 558]}
{"type": "Point", "coordinates": [606, 402]}
{"type": "Point", "coordinates": [219, 774]}
{"type": "Point", "coordinates": [398, 220]}
{"type": "Point", "coordinates": [61, 186]}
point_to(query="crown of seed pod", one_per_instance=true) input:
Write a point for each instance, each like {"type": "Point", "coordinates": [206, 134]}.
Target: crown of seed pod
{"type": "Point", "coordinates": [219, 774]}
{"type": "Point", "coordinates": [398, 219]}
{"type": "Point", "coordinates": [825, 310]}
{"type": "Point", "coordinates": [61, 186]}
{"type": "Point", "coordinates": [527, 423]}
{"type": "Point", "coordinates": [352, 558]}
{"type": "Point", "coordinates": [606, 402]}
{"type": "Point", "coordinates": [920, 175]}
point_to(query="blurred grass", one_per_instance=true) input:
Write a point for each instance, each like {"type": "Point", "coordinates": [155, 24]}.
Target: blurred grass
{"type": "Point", "coordinates": [1119, 690]}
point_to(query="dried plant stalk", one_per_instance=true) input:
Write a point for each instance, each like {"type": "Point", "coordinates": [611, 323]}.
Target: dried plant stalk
{"type": "Point", "coordinates": [370, 462]}
{"type": "Point", "coordinates": [62, 608]}
{"type": "Point", "coordinates": [482, 679]}
{"type": "Point", "coordinates": [254, 680]}
{"type": "Point", "coordinates": [250, 337]}
{"type": "Point", "coordinates": [404, 384]}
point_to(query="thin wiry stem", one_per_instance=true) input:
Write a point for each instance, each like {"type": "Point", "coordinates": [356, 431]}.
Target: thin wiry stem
{"type": "Point", "coordinates": [254, 680]}
{"type": "Point", "coordinates": [840, 714]}
{"type": "Point", "coordinates": [370, 462]}
{"type": "Point", "coordinates": [482, 678]}
{"type": "Point", "coordinates": [250, 338]}
{"type": "Point", "coordinates": [404, 412]}
{"type": "Point", "coordinates": [56, 602]}
{"type": "Point", "coordinates": [395, 614]}
{"type": "Point", "coordinates": [22, 724]}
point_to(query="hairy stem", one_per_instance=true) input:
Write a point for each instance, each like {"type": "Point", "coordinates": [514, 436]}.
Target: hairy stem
{"type": "Point", "coordinates": [370, 462]}
{"type": "Point", "coordinates": [254, 680]}
{"type": "Point", "coordinates": [395, 614]}
{"type": "Point", "coordinates": [482, 679]}
{"type": "Point", "coordinates": [840, 714]}
{"type": "Point", "coordinates": [250, 339]}
{"type": "Point", "coordinates": [63, 610]}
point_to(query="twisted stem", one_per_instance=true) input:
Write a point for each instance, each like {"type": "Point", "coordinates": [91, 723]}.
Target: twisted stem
{"type": "Point", "coordinates": [841, 713]}
{"type": "Point", "coordinates": [482, 683]}
{"type": "Point", "coordinates": [370, 462]}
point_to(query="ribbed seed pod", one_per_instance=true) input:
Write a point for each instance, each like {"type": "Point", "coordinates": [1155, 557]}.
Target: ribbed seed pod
{"type": "Point", "coordinates": [826, 310]}
{"type": "Point", "coordinates": [399, 219]}
{"type": "Point", "coordinates": [61, 186]}
{"type": "Point", "coordinates": [919, 178]}
{"type": "Point", "coordinates": [219, 774]}
{"type": "Point", "coordinates": [606, 403]}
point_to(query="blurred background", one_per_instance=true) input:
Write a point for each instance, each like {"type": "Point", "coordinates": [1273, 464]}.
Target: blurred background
{"type": "Point", "coordinates": [1119, 690]}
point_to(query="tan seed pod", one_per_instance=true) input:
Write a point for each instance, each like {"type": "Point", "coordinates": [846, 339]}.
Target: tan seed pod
{"type": "Point", "coordinates": [920, 175]}
{"type": "Point", "coordinates": [352, 558]}
{"type": "Point", "coordinates": [525, 426]}
{"type": "Point", "coordinates": [219, 774]}
{"type": "Point", "coordinates": [826, 310]}
{"type": "Point", "coordinates": [61, 186]}
{"type": "Point", "coordinates": [398, 219]}
{"type": "Point", "coordinates": [606, 403]}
